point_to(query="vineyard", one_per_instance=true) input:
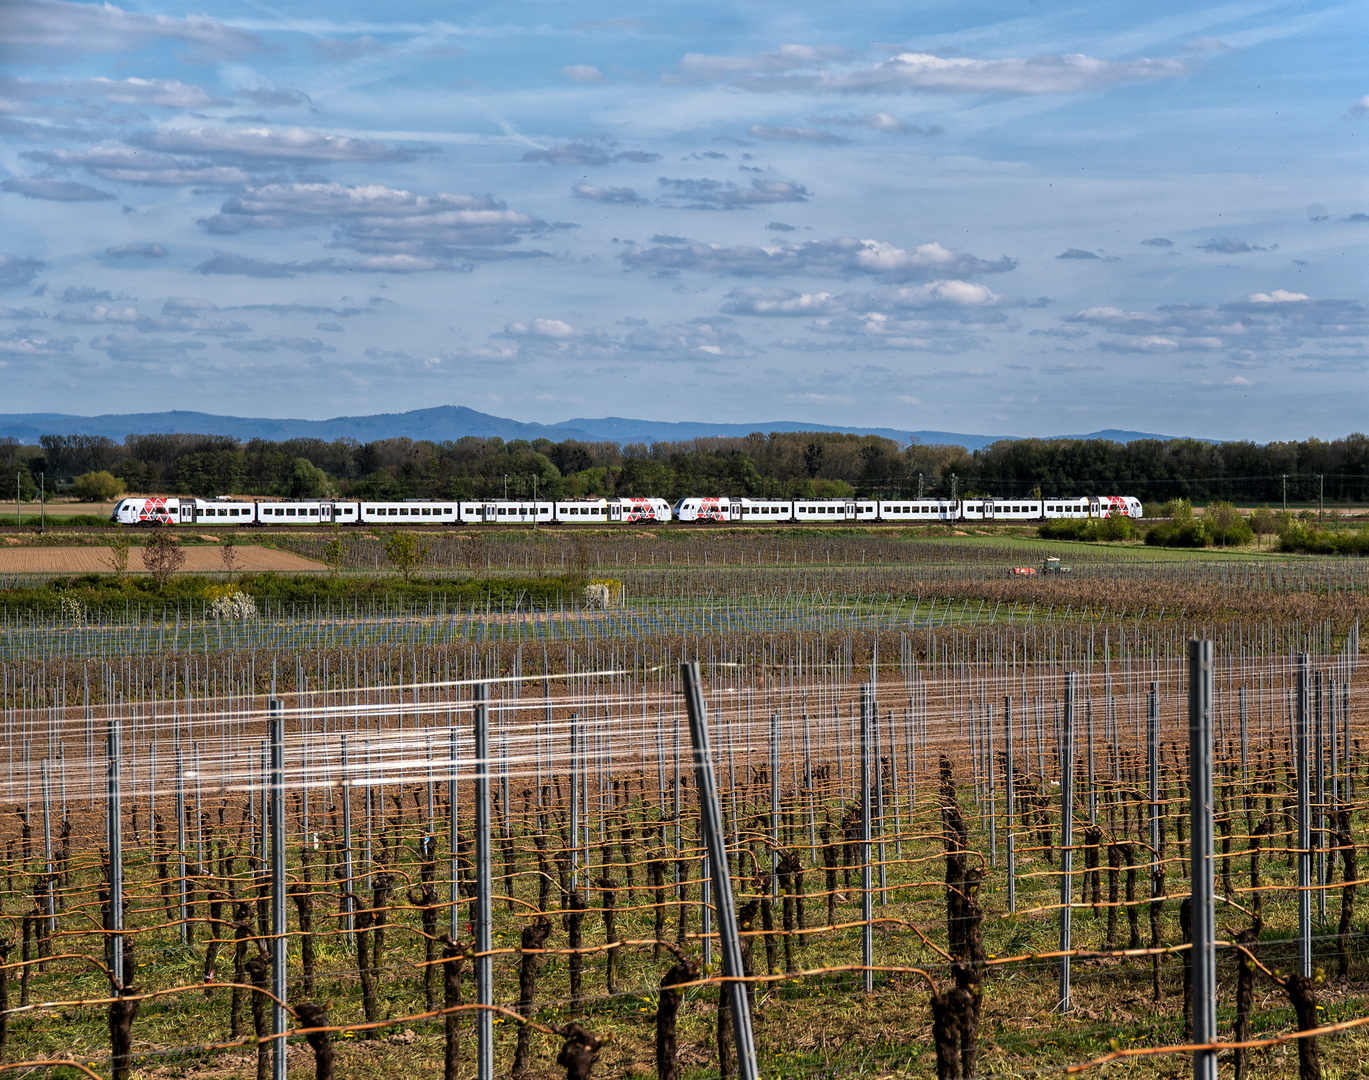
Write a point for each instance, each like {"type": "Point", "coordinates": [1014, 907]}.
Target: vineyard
{"type": "Point", "coordinates": [942, 824]}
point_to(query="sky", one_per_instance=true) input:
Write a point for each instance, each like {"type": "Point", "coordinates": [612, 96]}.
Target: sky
{"type": "Point", "coordinates": [971, 216]}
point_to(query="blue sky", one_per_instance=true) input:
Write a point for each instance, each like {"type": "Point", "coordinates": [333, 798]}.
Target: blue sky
{"type": "Point", "coordinates": [978, 217]}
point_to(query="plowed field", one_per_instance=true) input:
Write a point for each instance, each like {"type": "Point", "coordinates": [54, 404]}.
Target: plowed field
{"type": "Point", "coordinates": [198, 560]}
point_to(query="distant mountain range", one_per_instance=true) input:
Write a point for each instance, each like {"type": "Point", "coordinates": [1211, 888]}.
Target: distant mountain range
{"type": "Point", "coordinates": [455, 421]}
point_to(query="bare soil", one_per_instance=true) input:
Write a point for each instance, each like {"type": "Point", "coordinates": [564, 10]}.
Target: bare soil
{"type": "Point", "coordinates": [198, 560]}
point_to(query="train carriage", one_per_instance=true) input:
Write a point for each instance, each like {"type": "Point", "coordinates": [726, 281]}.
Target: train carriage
{"type": "Point", "coordinates": [990, 509]}
{"type": "Point", "coordinates": [915, 510]}
{"type": "Point", "coordinates": [307, 512]}
{"type": "Point", "coordinates": [408, 512]}
{"type": "Point", "coordinates": [155, 510]}
{"type": "Point", "coordinates": [836, 510]}
{"type": "Point", "coordinates": [724, 508]}
{"type": "Point", "coordinates": [225, 511]}
{"type": "Point", "coordinates": [507, 512]}
{"type": "Point", "coordinates": [613, 511]}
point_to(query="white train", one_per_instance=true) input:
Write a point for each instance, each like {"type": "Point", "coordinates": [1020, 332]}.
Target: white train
{"type": "Point", "coordinates": [228, 510]}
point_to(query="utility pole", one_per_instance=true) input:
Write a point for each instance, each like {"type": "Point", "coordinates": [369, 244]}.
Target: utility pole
{"type": "Point", "coordinates": [42, 499]}
{"type": "Point", "coordinates": [1285, 493]}
{"type": "Point", "coordinates": [18, 491]}
{"type": "Point", "coordinates": [919, 487]}
{"type": "Point", "coordinates": [1321, 495]}
{"type": "Point", "coordinates": [506, 487]}
{"type": "Point", "coordinates": [534, 502]}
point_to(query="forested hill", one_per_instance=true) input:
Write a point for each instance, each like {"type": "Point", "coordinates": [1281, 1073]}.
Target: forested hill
{"type": "Point", "coordinates": [781, 464]}
{"type": "Point", "coordinates": [445, 423]}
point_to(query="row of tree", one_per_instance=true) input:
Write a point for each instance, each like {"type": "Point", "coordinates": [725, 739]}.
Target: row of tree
{"type": "Point", "coordinates": [779, 465]}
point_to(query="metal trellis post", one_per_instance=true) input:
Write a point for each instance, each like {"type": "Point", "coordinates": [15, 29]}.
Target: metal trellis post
{"type": "Point", "coordinates": [1304, 824]}
{"type": "Point", "coordinates": [1200, 796]}
{"type": "Point", "coordinates": [484, 967]}
{"type": "Point", "coordinates": [710, 816]}
{"type": "Point", "coordinates": [278, 924]}
{"type": "Point", "coordinates": [867, 708]}
{"type": "Point", "coordinates": [1066, 837]}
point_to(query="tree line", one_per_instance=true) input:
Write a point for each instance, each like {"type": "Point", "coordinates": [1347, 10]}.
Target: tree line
{"type": "Point", "coordinates": [776, 465]}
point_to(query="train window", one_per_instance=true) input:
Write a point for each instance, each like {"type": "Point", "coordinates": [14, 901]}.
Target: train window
{"type": "Point", "coordinates": [393, 511]}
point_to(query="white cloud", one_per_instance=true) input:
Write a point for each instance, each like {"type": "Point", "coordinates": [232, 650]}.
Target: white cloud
{"type": "Point", "coordinates": [1277, 296]}
{"type": "Point", "coordinates": [1361, 107]}
{"type": "Point", "coordinates": [880, 121]}
{"type": "Point", "coordinates": [377, 219]}
{"type": "Point", "coordinates": [54, 190]}
{"type": "Point", "coordinates": [138, 349]}
{"type": "Point", "coordinates": [26, 342]}
{"type": "Point", "coordinates": [945, 296]}
{"type": "Point", "coordinates": [1252, 331]}
{"type": "Point", "coordinates": [140, 249]}
{"type": "Point", "coordinates": [762, 301]}
{"type": "Point", "coordinates": [173, 318]}
{"type": "Point", "coordinates": [793, 134]}
{"type": "Point", "coordinates": [64, 28]}
{"type": "Point", "coordinates": [168, 93]}
{"type": "Point", "coordinates": [544, 328]}
{"type": "Point", "coordinates": [1066, 74]}
{"type": "Point", "coordinates": [124, 164]}
{"type": "Point", "coordinates": [842, 257]}
{"type": "Point", "coordinates": [701, 67]}
{"type": "Point", "coordinates": [594, 193]}
{"type": "Point", "coordinates": [587, 153]}
{"type": "Point", "coordinates": [18, 270]}
{"type": "Point", "coordinates": [697, 340]}
{"type": "Point", "coordinates": [725, 195]}
{"type": "Point", "coordinates": [582, 73]}
{"type": "Point", "coordinates": [271, 144]}
{"type": "Point", "coordinates": [273, 344]}
{"type": "Point", "coordinates": [1227, 246]}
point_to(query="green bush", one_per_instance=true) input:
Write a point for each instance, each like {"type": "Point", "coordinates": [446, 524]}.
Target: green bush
{"type": "Point", "coordinates": [1106, 530]}
{"type": "Point", "coordinates": [1304, 537]}
{"type": "Point", "coordinates": [1065, 529]}
{"type": "Point", "coordinates": [1184, 534]}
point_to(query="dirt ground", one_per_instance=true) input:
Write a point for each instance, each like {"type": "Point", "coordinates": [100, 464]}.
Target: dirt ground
{"type": "Point", "coordinates": [198, 560]}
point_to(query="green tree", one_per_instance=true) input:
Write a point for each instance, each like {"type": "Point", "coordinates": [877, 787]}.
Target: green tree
{"type": "Point", "coordinates": [307, 480]}
{"type": "Point", "coordinates": [406, 553]}
{"type": "Point", "coordinates": [102, 486]}
{"type": "Point", "coordinates": [1262, 522]}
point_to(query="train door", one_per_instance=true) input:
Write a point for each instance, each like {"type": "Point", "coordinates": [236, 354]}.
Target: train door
{"type": "Point", "coordinates": [988, 510]}
{"type": "Point", "coordinates": [849, 510]}
{"type": "Point", "coordinates": [1095, 508]}
{"type": "Point", "coordinates": [734, 510]}
{"type": "Point", "coordinates": [325, 512]}
{"type": "Point", "coordinates": [615, 511]}
{"type": "Point", "coordinates": [187, 515]}
{"type": "Point", "coordinates": [489, 512]}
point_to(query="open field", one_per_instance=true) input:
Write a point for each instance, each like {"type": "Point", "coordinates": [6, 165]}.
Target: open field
{"type": "Point", "coordinates": [96, 559]}
{"type": "Point", "coordinates": [587, 713]}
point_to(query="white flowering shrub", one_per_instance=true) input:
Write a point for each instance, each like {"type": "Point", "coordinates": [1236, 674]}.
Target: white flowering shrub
{"type": "Point", "coordinates": [73, 610]}
{"type": "Point", "coordinates": [234, 605]}
{"type": "Point", "coordinates": [597, 597]}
